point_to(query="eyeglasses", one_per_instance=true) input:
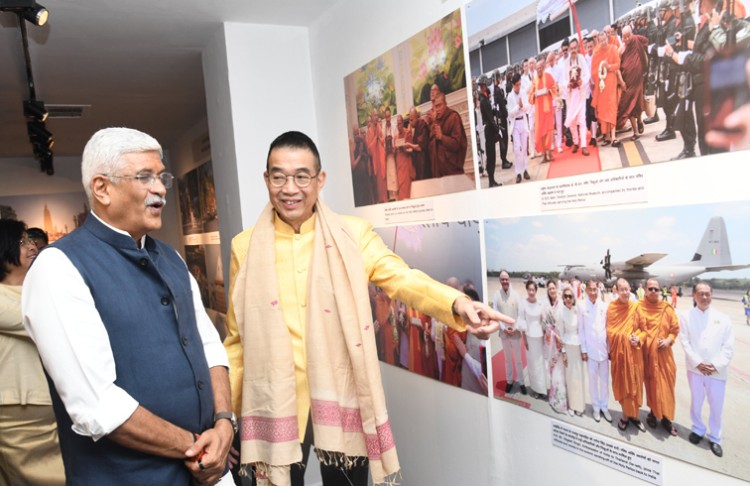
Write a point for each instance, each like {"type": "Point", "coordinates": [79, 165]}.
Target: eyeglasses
{"type": "Point", "coordinates": [301, 179]}
{"type": "Point", "coordinates": [146, 179]}
{"type": "Point", "coordinates": [653, 289]}
{"type": "Point", "coordinates": [567, 296]}
{"type": "Point", "coordinates": [26, 242]}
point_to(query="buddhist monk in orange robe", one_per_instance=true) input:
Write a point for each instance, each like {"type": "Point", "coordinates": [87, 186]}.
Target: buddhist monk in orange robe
{"type": "Point", "coordinates": [659, 323]}
{"type": "Point", "coordinates": [604, 67]}
{"type": "Point", "coordinates": [416, 340]}
{"type": "Point", "coordinates": [385, 313]}
{"type": "Point", "coordinates": [541, 93]}
{"type": "Point", "coordinates": [375, 145]}
{"type": "Point", "coordinates": [625, 355]}
{"type": "Point", "coordinates": [404, 166]}
{"type": "Point", "coordinates": [453, 357]}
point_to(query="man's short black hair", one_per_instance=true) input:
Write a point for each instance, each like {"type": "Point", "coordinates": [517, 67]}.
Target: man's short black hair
{"type": "Point", "coordinates": [11, 232]}
{"type": "Point", "coordinates": [516, 78]}
{"type": "Point", "coordinates": [37, 234]}
{"type": "Point", "coordinates": [295, 140]}
{"type": "Point", "coordinates": [565, 43]}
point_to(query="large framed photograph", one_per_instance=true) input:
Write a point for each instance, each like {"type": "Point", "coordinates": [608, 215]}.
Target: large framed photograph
{"type": "Point", "coordinates": [605, 85]}
{"type": "Point", "coordinates": [409, 119]}
{"type": "Point", "coordinates": [659, 254]}
{"type": "Point", "coordinates": [414, 341]}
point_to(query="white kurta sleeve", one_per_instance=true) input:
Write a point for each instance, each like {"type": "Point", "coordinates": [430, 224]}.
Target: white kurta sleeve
{"type": "Point", "coordinates": [60, 316]}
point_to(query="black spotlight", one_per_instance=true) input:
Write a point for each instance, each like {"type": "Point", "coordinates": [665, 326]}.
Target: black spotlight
{"type": "Point", "coordinates": [29, 9]}
{"type": "Point", "coordinates": [39, 134]}
{"type": "Point", "coordinates": [35, 110]}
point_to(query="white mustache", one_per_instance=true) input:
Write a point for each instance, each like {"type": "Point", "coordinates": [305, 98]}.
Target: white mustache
{"type": "Point", "coordinates": [155, 198]}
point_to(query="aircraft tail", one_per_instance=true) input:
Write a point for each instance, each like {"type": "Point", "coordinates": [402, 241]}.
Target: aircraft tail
{"type": "Point", "coordinates": [713, 250]}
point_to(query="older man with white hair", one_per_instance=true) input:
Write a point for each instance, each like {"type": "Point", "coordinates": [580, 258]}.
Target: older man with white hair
{"type": "Point", "coordinates": [707, 337]}
{"type": "Point", "coordinates": [139, 378]}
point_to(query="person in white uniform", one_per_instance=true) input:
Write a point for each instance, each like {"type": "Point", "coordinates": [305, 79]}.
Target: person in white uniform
{"type": "Point", "coordinates": [518, 108]}
{"type": "Point", "coordinates": [592, 332]}
{"type": "Point", "coordinates": [707, 337]}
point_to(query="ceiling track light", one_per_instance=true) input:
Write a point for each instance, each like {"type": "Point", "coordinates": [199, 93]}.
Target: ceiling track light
{"type": "Point", "coordinates": [35, 110]}
{"type": "Point", "coordinates": [38, 133]}
{"type": "Point", "coordinates": [28, 9]}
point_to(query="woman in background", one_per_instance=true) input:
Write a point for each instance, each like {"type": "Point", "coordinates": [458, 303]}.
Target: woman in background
{"type": "Point", "coordinates": [29, 448]}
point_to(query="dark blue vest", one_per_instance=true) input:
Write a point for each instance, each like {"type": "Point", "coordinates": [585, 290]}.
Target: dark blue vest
{"type": "Point", "coordinates": [143, 297]}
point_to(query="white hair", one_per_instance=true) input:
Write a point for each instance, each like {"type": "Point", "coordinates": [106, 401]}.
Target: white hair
{"type": "Point", "coordinates": [104, 151]}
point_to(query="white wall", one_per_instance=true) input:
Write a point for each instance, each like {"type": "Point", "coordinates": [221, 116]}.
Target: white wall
{"type": "Point", "coordinates": [444, 435]}
{"type": "Point", "coordinates": [258, 86]}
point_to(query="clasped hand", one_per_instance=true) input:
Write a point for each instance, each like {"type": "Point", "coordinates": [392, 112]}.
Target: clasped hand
{"type": "Point", "coordinates": [214, 444]}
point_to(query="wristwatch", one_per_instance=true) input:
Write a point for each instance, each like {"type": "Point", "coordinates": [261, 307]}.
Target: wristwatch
{"type": "Point", "coordinates": [227, 416]}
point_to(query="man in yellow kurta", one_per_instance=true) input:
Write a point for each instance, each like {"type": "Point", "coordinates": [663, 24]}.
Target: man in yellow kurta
{"type": "Point", "coordinates": [659, 323]}
{"type": "Point", "coordinates": [300, 338]}
{"type": "Point", "coordinates": [625, 355]}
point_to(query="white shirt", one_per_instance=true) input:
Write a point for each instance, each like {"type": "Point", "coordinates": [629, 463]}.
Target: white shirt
{"type": "Point", "coordinates": [585, 74]}
{"type": "Point", "coordinates": [60, 316]}
{"type": "Point", "coordinates": [707, 337]}
{"type": "Point", "coordinates": [514, 111]}
{"type": "Point", "coordinates": [507, 303]}
{"type": "Point", "coordinates": [592, 329]}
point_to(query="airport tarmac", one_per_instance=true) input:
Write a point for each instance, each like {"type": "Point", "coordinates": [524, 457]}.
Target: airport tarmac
{"type": "Point", "coordinates": [646, 150]}
{"type": "Point", "coordinates": [736, 405]}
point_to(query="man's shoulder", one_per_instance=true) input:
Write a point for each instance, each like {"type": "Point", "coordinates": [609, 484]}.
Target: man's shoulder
{"type": "Point", "coordinates": [241, 243]}
{"type": "Point", "coordinates": [718, 316]}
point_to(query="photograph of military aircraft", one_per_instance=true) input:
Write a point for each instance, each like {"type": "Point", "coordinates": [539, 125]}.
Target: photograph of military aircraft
{"type": "Point", "coordinates": [672, 244]}
{"type": "Point", "coordinates": [712, 255]}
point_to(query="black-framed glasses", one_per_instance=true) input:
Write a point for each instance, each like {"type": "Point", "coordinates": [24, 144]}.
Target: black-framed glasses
{"type": "Point", "coordinates": [301, 179]}
{"type": "Point", "coordinates": [653, 289]}
{"type": "Point", "coordinates": [567, 296]}
{"type": "Point", "coordinates": [147, 179]}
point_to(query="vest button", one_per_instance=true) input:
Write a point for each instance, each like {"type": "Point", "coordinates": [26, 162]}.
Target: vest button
{"type": "Point", "coordinates": [143, 262]}
{"type": "Point", "coordinates": [184, 340]}
{"type": "Point", "coordinates": [165, 301]}
{"type": "Point", "coordinates": [200, 384]}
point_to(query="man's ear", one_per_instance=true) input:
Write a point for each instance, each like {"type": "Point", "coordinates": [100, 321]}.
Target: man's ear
{"type": "Point", "coordinates": [100, 187]}
{"type": "Point", "coordinates": [321, 179]}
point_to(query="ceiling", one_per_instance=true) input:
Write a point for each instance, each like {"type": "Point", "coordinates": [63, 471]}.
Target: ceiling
{"type": "Point", "coordinates": [137, 63]}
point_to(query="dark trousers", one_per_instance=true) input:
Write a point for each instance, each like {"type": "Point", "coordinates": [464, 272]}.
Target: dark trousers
{"type": "Point", "coordinates": [331, 475]}
{"type": "Point", "coordinates": [504, 140]}
{"type": "Point", "coordinates": [687, 130]}
{"type": "Point", "coordinates": [489, 150]}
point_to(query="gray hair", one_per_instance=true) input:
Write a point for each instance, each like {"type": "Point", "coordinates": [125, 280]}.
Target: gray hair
{"type": "Point", "coordinates": [104, 151]}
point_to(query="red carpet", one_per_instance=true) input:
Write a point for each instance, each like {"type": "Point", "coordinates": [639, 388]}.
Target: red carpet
{"type": "Point", "coordinates": [570, 164]}
{"type": "Point", "coordinates": [498, 374]}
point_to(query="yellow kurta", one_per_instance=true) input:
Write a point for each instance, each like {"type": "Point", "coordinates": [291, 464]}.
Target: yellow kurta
{"type": "Point", "coordinates": [658, 321]}
{"type": "Point", "coordinates": [293, 253]}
